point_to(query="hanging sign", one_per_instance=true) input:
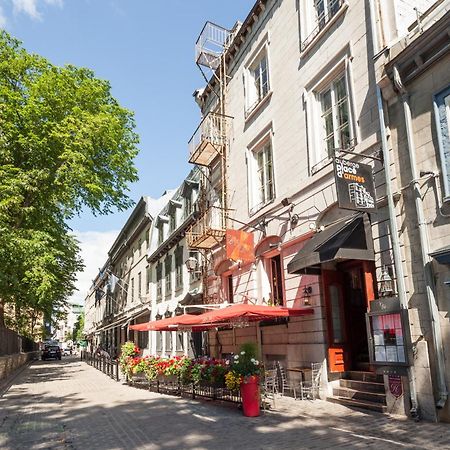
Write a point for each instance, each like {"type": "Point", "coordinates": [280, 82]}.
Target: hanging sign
{"type": "Point", "coordinates": [395, 385]}
{"type": "Point", "coordinates": [354, 185]}
{"type": "Point", "coordinates": [240, 246]}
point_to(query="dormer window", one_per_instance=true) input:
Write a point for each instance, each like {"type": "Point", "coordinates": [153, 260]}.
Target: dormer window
{"type": "Point", "coordinates": [189, 187]}
{"type": "Point", "coordinates": [160, 221]}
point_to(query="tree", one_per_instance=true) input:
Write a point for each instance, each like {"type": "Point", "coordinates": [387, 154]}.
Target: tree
{"type": "Point", "coordinates": [78, 329]}
{"type": "Point", "coordinates": [65, 144]}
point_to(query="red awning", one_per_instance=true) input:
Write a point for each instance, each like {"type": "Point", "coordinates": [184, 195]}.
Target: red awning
{"type": "Point", "coordinates": [164, 324]}
{"type": "Point", "coordinates": [250, 312]}
{"type": "Point", "coordinates": [222, 317]}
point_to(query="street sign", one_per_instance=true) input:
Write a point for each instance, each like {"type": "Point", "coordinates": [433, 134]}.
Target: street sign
{"type": "Point", "coordinates": [354, 185]}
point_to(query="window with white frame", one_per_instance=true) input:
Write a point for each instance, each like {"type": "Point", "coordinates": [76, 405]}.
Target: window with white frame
{"type": "Point", "coordinates": [330, 114]}
{"type": "Point", "coordinates": [132, 289]}
{"type": "Point", "coordinates": [147, 279]}
{"type": "Point", "coordinates": [315, 15]}
{"type": "Point", "coordinates": [160, 233]}
{"type": "Point", "coordinates": [179, 267]}
{"type": "Point", "coordinates": [335, 116]}
{"type": "Point", "coordinates": [159, 281]}
{"type": "Point", "coordinates": [140, 248]}
{"type": "Point", "coordinates": [139, 285]}
{"type": "Point", "coordinates": [195, 274]}
{"type": "Point", "coordinates": [261, 178]}
{"type": "Point", "coordinates": [442, 117]}
{"type": "Point", "coordinates": [257, 80]}
{"type": "Point", "coordinates": [168, 275]}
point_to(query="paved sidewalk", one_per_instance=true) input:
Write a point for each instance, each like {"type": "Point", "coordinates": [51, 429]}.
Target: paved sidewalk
{"type": "Point", "coordinates": [70, 405]}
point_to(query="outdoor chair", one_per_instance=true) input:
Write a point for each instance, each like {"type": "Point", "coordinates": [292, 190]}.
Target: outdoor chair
{"type": "Point", "coordinates": [309, 389]}
{"type": "Point", "coordinates": [269, 387]}
{"type": "Point", "coordinates": [283, 382]}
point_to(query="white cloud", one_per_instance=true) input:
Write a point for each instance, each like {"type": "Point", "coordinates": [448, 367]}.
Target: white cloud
{"type": "Point", "coordinates": [94, 252]}
{"type": "Point", "coordinates": [30, 7]}
{"type": "Point", "coordinates": [2, 18]}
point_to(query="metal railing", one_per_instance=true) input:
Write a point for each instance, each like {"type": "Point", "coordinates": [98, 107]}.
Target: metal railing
{"type": "Point", "coordinates": [173, 386]}
{"type": "Point", "coordinates": [211, 43]}
{"type": "Point", "coordinates": [211, 223]}
{"type": "Point", "coordinates": [106, 365]}
{"type": "Point", "coordinates": [214, 130]}
{"type": "Point", "coordinates": [12, 343]}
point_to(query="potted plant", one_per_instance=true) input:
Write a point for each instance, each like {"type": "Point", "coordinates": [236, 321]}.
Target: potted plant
{"type": "Point", "coordinates": [245, 370]}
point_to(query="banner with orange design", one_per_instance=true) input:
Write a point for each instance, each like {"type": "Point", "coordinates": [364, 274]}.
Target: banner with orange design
{"type": "Point", "coordinates": [240, 246]}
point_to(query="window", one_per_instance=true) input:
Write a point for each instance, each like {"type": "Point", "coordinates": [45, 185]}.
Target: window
{"type": "Point", "coordinates": [147, 285]}
{"type": "Point", "coordinates": [442, 117]}
{"type": "Point", "coordinates": [139, 285]}
{"type": "Point", "coordinates": [159, 281]}
{"type": "Point", "coordinates": [168, 274]}
{"type": "Point", "coordinates": [230, 290]}
{"type": "Point", "coordinates": [180, 341]}
{"type": "Point", "coordinates": [335, 117]}
{"type": "Point", "coordinates": [132, 289]}
{"type": "Point", "coordinates": [261, 179]}
{"type": "Point", "coordinates": [173, 220]}
{"type": "Point", "coordinates": [147, 239]}
{"type": "Point", "coordinates": [276, 280]}
{"type": "Point", "coordinates": [140, 248]}
{"type": "Point", "coordinates": [160, 233]}
{"type": "Point", "coordinates": [188, 204]}
{"type": "Point", "coordinates": [325, 10]}
{"type": "Point", "coordinates": [159, 341]}
{"type": "Point", "coordinates": [168, 342]}
{"type": "Point", "coordinates": [195, 275]}
{"type": "Point", "coordinates": [317, 15]}
{"type": "Point", "coordinates": [179, 267]}
{"type": "Point", "coordinates": [257, 80]}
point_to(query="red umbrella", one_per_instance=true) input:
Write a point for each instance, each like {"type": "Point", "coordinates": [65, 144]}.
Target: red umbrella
{"type": "Point", "coordinates": [164, 324]}
{"type": "Point", "coordinates": [249, 312]}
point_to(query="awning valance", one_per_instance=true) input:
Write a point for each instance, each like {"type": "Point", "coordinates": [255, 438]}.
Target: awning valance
{"type": "Point", "coordinates": [349, 239]}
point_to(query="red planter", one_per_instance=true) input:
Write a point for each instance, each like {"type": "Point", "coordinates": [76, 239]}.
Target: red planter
{"type": "Point", "coordinates": [250, 396]}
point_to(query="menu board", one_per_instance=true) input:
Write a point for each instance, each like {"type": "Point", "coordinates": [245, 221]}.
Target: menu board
{"type": "Point", "coordinates": [387, 338]}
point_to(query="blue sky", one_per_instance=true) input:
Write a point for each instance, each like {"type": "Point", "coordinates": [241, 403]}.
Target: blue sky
{"type": "Point", "coordinates": [145, 48]}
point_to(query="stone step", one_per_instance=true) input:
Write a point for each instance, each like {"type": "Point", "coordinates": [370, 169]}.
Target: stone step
{"type": "Point", "coordinates": [365, 386]}
{"type": "Point", "coordinates": [358, 404]}
{"type": "Point", "coordinates": [359, 375]}
{"type": "Point", "coordinates": [353, 394]}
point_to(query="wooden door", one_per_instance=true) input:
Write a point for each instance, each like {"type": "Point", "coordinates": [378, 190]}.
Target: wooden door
{"type": "Point", "coordinates": [338, 352]}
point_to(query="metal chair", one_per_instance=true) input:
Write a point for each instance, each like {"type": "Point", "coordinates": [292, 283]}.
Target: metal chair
{"type": "Point", "coordinates": [309, 389]}
{"type": "Point", "coordinates": [283, 381]}
{"type": "Point", "coordinates": [269, 386]}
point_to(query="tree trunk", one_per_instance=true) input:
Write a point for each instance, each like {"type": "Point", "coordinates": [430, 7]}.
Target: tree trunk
{"type": "Point", "coordinates": [2, 314]}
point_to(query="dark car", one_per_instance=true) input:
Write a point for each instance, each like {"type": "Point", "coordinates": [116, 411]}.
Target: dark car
{"type": "Point", "coordinates": [51, 351]}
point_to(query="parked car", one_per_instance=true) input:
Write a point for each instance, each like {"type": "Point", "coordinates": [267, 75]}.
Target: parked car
{"type": "Point", "coordinates": [51, 351]}
{"type": "Point", "coordinates": [66, 351]}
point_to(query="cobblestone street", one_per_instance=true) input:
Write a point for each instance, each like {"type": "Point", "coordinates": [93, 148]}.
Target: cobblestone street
{"type": "Point", "coordinates": [70, 405]}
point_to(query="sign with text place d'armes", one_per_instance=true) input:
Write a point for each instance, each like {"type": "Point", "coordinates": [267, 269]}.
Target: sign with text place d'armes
{"type": "Point", "coordinates": [354, 185]}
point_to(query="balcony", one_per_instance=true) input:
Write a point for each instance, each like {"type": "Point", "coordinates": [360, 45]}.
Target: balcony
{"type": "Point", "coordinates": [210, 45]}
{"type": "Point", "coordinates": [209, 139]}
{"type": "Point", "coordinates": [208, 230]}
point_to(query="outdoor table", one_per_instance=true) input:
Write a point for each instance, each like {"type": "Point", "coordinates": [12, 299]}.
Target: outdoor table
{"type": "Point", "coordinates": [301, 370]}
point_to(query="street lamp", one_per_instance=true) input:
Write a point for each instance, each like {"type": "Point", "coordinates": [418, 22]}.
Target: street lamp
{"type": "Point", "coordinates": [386, 285]}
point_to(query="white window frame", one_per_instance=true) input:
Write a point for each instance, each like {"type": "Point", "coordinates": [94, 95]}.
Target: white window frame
{"type": "Point", "coordinates": [168, 263]}
{"type": "Point", "coordinates": [317, 151]}
{"type": "Point", "coordinates": [253, 98]}
{"type": "Point", "coordinates": [195, 275]}
{"type": "Point", "coordinates": [257, 195]}
{"type": "Point", "coordinates": [310, 29]}
{"type": "Point", "coordinates": [442, 119]}
{"type": "Point", "coordinates": [159, 278]}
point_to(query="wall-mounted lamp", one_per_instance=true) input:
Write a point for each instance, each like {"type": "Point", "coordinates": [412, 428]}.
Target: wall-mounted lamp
{"type": "Point", "coordinates": [386, 285]}
{"type": "Point", "coordinates": [307, 291]}
{"type": "Point", "coordinates": [285, 202]}
{"type": "Point", "coordinates": [191, 264]}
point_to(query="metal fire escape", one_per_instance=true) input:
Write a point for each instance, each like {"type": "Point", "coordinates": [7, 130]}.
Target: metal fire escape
{"type": "Point", "coordinates": [208, 146]}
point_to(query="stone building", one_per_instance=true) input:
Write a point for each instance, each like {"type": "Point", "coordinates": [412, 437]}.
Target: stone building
{"type": "Point", "coordinates": [291, 89]}
{"type": "Point", "coordinates": [415, 81]}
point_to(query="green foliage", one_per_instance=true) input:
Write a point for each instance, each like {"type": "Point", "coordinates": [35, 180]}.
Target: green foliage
{"type": "Point", "coordinates": [65, 144]}
{"type": "Point", "coordinates": [77, 334]}
{"type": "Point", "coordinates": [246, 362]}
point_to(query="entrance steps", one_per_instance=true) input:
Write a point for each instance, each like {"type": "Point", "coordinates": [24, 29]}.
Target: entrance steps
{"type": "Point", "coordinates": [360, 389]}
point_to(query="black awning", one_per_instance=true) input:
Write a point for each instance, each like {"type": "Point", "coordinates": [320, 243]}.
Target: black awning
{"type": "Point", "coordinates": [442, 255]}
{"type": "Point", "coordinates": [349, 239]}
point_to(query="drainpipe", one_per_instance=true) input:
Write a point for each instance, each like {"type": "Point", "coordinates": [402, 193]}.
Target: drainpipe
{"type": "Point", "coordinates": [398, 265]}
{"type": "Point", "coordinates": [424, 245]}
